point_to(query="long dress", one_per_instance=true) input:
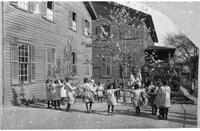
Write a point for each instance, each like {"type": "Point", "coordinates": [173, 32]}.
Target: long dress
{"type": "Point", "coordinates": [152, 94]}
{"type": "Point", "coordinates": [88, 93]}
{"type": "Point", "coordinates": [63, 91]}
{"type": "Point", "coordinates": [49, 89]}
{"type": "Point", "coordinates": [165, 97]}
{"type": "Point", "coordinates": [137, 98]}
{"type": "Point", "coordinates": [100, 91]}
{"type": "Point", "coordinates": [111, 100]}
{"type": "Point", "coordinates": [56, 92]}
{"type": "Point", "coordinates": [157, 97]}
{"type": "Point", "coordinates": [70, 93]}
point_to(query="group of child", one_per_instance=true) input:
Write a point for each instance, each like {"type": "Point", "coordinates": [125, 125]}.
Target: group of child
{"type": "Point", "coordinates": [57, 90]}
{"type": "Point", "coordinates": [159, 95]}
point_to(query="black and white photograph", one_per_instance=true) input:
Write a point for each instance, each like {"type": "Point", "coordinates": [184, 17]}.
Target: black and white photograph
{"type": "Point", "coordinates": [119, 64]}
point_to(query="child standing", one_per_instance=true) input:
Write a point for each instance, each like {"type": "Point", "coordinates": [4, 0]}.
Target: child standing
{"type": "Point", "coordinates": [56, 94]}
{"type": "Point", "coordinates": [152, 95]}
{"type": "Point", "coordinates": [137, 98]}
{"type": "Point", "coordinates": [88, 93]}
{"type": "Point", "coordinates": [111, 100]}
{"type": "Point", "coordinates": [62, 91]}
{"type": "Point", "coordinates": [165, 102]}
{"type": "Point", "coordinates": [69, 92]}
{"type": "Point", "coordinates": [49, 89]}
{"type": "Point", "coordinates": [100, 91]}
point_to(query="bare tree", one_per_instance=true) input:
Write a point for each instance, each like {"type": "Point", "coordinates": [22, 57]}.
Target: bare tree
{"type": "Point", "coordinates": [186, 52]}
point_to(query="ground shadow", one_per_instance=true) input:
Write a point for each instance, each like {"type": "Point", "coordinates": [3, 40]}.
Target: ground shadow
{"type": "Point", "coordinates": [182, 113]}
{"type": "Point", "coordinates": [182, 121]}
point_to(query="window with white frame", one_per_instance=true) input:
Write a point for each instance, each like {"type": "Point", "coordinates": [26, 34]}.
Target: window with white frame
{"type": "Point", "coordinates": [35, 7]}
{"type": "Point", "coordinates": [51, 54]}
{"type": "Point", "coordinates": [23, 5]}
{"type": "Point", "coordinates": [73, 21]}
{"type": "Point", "coordinates": [86, 28]}
{"type": "Point", "coordinates": [106, 69]}
{"type": "Point", "coordinates": [50, 10]}
{"type": "Point", "coordinates": [22, 63]}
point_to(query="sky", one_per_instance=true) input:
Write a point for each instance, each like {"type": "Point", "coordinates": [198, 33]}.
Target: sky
{"type": "Point", "coordinates": [185, 16]}
{"type": "Point", "coordinates": [171, 17]}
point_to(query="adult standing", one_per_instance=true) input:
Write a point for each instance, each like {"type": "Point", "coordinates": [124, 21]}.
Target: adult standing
{"type": "Point", "coordinates": [88, 93]}
{"type": "Point", "coordinates": [69, 92]}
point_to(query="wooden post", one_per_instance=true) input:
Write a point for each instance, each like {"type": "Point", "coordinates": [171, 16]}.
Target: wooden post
{"type": "Point", "coordinates": [1, 63]}
{"type": "Point", "coordinates": [198, 105]}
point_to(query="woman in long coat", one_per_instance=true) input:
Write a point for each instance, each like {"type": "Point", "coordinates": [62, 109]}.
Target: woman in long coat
{"type": "Point", "coordinates": [69, 92]}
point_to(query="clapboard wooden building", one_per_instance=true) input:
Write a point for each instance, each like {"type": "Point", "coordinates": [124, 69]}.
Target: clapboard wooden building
{"type": "Point", "coordinates": [43, 40]}
{"type": "Point", "coordinates": [135, 38]}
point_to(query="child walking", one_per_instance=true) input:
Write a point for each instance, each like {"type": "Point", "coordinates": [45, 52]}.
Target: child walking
{"type": "Point", "coordinates": [111, 100]}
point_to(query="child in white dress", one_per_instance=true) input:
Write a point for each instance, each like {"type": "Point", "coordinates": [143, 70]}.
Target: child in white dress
{"type": "Point", "coordinates": [111, 100]}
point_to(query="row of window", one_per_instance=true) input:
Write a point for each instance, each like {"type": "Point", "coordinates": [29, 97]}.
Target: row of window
{"type": "Point", "coordinates": [46, 9]}
{"type": "Point", "coordinates": [23, 64]}
{"type": "Point", "coordinates": [128, 33]}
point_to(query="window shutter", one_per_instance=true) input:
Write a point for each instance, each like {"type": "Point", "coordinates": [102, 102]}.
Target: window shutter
{"type": "Point", "coordinates": [32, 65]}
{"type": "Point", "coordinates": [83, 26]}
{"type": "Point", "coordinates": [14, 62]}
{"type": "Point", "coordinates": [76, 58]}
{"type": "Point", "coordinates": [14, 3]}
{"type": "Point", "coordinates": [44, 9]}
{"type": "Point", "coordinates": [70, 19]}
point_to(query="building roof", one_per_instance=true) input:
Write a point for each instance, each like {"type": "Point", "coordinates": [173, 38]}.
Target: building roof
{"type": "Point", "coordinates": [160, 48]}
{"type": "Point", "coordinates": [90, 9]}
{"type": "Point", "coordinates": [103, 9]}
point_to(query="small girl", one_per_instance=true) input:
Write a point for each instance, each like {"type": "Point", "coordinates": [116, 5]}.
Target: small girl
{"type": "Point", "coordinates": [100, 90]}
{"type": "Point", "coordinates": [152, 91]}
{"type": "Point", "coordinates": [165, 102]}
{"type": "Point", "coordinates": [88, 93]}
{"type": "Point", "coordinates": [62, 91]}
{"type": "Point", "coordinates": [56, 94]}
{"type": "Point", "coordinates": [111, 100]}
{"type": "Point", "coordinates": [137, 98]}
{"type": "Point", "coordinates": [49, 89]}
{"type": "Point", "coordinates": [69, 92]}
